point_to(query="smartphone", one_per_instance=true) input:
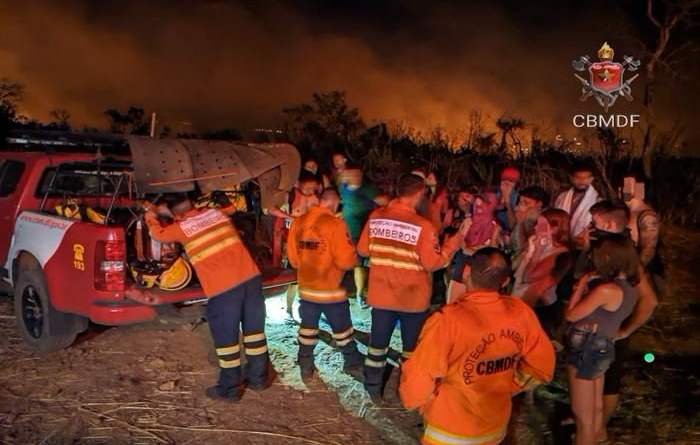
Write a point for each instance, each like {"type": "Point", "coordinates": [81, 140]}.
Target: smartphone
{"type": "Point", "coordinates": [639, 190]}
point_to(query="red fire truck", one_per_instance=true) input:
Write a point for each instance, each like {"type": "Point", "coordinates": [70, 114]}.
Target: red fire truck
{"type": "Point", "coordinates": [67, 269]}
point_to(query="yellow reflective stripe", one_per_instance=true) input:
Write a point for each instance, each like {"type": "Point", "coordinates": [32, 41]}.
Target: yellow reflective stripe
{"type": "Point", "coordinates": [307, 341]}
{"type": "Point", "coordinates": [377, 351]}
{"type": "Point", "coordinates": [253, 338]}
{"type": "Point", "coordinates": [209, 251]}
{"type": "Point", "coordinates": [407, 354]}
{"type": "Point", "coordinates": [374, 363]}
{"type": "Point", "coordinates": [324, 293]}
{"type": "Point", "coordinates": [409, 254]}
{"type": "Point", "coordinates": [434, 435]}
{"type": "Point", "coordinates": [229, 363]}
{"type": "Point", "coordinates": [346, 333]}
{"type": "Point", "coordinates": [256, 351]}
{"type": "Point", "coordinates": [228, 350]}
{"type": "Point", "coordinates": [308, 332]}
{"type": "Point", "coordinates": [394, 263]}
{"type": "Point", "coordinates": [200, 240]}
{"type": "Point", "coordinates": [345, 342]}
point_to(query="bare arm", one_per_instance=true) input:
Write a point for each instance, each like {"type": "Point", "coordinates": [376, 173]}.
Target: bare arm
{"type": "Point", "coordinates": [648, 237]}
{"type": "Point", "coordinates": [643, 310]}
{"type": "Point", "coordinates": [596, 298]}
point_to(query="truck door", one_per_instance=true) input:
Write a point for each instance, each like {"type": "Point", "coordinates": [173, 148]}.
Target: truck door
{"type": "Point", "coordinates": [11, 172]}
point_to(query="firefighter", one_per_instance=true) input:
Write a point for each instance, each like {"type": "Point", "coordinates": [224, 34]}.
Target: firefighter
{"type": "Point", "coordinates": [403, 249]}
{"type": "Point", "coordinates": [473, 356]}
{"type": "Point", "coordinates": [320, 248]}
{"type": "Point", "coordinates": [232, 282]}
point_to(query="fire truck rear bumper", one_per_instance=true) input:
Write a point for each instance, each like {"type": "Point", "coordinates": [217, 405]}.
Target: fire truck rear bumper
{"type": "Point", "coordinates": [117, 314]}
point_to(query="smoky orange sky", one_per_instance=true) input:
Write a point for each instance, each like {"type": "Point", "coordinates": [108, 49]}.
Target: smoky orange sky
{"type": "Point", "coordinates": [237, 64]}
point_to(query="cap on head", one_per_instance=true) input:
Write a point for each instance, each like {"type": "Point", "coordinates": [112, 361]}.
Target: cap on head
{"type": "Point", "coordinates": [511, 174]}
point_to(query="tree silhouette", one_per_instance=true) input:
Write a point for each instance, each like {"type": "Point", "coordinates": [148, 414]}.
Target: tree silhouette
{"type": "Point", "coordinates": [327, 123]}
{"type": "Point", "coordinates": [134, 121]}
{"type": "Point", "coordinates": [11, 93]}
{"type": "Point", "coordinates": [61, 118]}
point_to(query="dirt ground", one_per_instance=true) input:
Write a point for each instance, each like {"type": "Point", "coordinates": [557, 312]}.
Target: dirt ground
{"type": "Point", "coordinates": [144, 384]}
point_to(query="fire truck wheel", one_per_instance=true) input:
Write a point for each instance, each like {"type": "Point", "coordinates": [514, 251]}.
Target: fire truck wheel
{"type": "Point", "coordinates": [44, 328]}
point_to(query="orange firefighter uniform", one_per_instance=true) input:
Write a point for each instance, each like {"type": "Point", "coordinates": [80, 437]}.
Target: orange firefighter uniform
{"type": "Point", "coordinates": [472, 357]}
{"type": "Point", "coordinates": [320, 248]}
{"type": "Point", "coordinates": [231, 279]}
{"type": "Point", "coordinates": [213, 246]}
{"type": "Point", "coordinates": [403, 249]}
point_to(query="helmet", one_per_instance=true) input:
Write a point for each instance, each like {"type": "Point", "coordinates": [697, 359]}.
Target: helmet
{"type": "Point", "coordinates": [145, 273]}
{"type": "Point", "coordinates": [176, 277]}
{"type": "Point", "coordinates": [69, 210]}
{"type": "Point", "coordinates": [95, 215]}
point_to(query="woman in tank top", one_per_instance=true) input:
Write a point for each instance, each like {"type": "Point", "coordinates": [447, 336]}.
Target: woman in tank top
{"type": "Point", "coordinates": [603, 299]}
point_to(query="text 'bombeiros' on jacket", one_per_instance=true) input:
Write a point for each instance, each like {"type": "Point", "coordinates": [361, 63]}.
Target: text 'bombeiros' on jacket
{"type": "Point", "coordinates": [403, 248]}
{"type": "Point", "coordinates": [213, 246]}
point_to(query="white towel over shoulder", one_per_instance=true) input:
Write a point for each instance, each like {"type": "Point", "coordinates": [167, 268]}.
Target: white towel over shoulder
{"type": "Point", "coordinates": [581, 218]}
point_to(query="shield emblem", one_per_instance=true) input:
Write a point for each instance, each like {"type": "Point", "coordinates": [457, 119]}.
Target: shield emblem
{"type": "Point", "coordinates": [606, 77]}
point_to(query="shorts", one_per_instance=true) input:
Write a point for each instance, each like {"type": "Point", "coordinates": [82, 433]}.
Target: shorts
{"type": "Point", "coordinates": [588, 352]}
{"type": "Point", "coordinates": [613, 376]}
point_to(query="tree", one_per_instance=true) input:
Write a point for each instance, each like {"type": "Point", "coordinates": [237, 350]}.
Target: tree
{"type": "Point", "coordinates": [509, 127]}
{"type": "Point", "coordinates": [133, 121]}
{"type": "Point", "coordinates": [61, 118]}
{"type": "Point", "coordinates": [673, 15]}
{"type": "Point", "coordinates": [327, 123]}
{"type": "Point", "coordinates": [11, 93]}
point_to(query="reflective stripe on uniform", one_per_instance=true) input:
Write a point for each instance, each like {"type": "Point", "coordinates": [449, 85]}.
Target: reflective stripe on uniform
{"type": "Point", "coordinates": [253, 337]}
{"type": "Point", "coordinates": [407, 354]}
{"type": "Point", "coordinates": [394, 263]}
{"type": "Point", "coordinates": [375, 363]}
{"type": "Point", "coordinates": [256, 351]}
{"type": "Point", "coordinates": [227, 364]}
{"type": "Point", "coordinates": [307, 341]}
{"type": "Point", "coordinates": [437, 436]}
{"type": "Point", "coordinates": [228, 350]}
{"type": "Point", "coordinates": [192, 245]}
{"type": "Point", "coordinates": [377, 351]}
{"type": "Point", "coordinates": [341, 335]}
{"type": "Point", "coordinates": [211, 250]}
{"type": "Point", "coordinates": [323, 294]}
{"type": "Point", "coordinates": [347, 341]}
{"type": "Point", "coordinates": [382, 248]}
{"type": "Point", "coordinates": [308, 332]}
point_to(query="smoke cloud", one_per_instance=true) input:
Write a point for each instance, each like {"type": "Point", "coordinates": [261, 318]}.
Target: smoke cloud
{"type": "Point", "coordinates": [236, 64]}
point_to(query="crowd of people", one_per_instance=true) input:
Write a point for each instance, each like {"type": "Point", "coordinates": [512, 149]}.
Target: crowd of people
{"type": "Point", "coordinates": [487, 285]}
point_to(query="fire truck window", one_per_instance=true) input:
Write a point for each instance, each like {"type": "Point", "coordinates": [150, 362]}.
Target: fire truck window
{"type": "Point", "coordinates": [80, 183]}
{"type": "Point", "coordinates": [10, 174]}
